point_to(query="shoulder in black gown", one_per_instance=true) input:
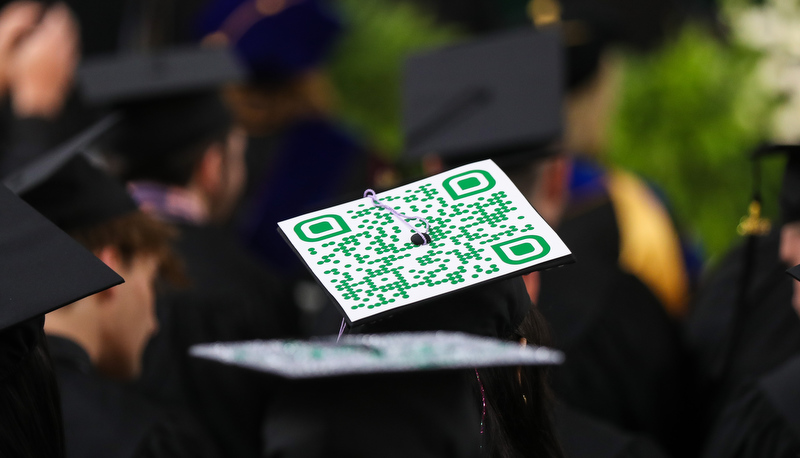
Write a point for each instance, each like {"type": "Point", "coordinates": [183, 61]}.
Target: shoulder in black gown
{"type": "Point", "coordinates": [624, 359]}
{"type": "Point", "coordinates": [766, 332]}
{"type": "Point", "coordinates": [106, 419]}
{"type": "Point", "coordinates": [764, 421]}
{"type": "Point", "coordinates": [584, 437]}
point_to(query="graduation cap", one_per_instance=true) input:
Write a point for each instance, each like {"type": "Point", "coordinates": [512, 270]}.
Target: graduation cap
{"type": "Point", "coordinates": [496, 97]}
{"type": "Point", "coordinates": [359, 396]}
{"type": "Point", "coordinates": [369, 354]}
{"type": "Point", "coordinates": [126, 78]}
{"type": "Point", "coordinates": [277, 39]}
{"type": "Point", "coordinates": [41, 269]}
{"type": "Point", "coordinates": [70, 191]}
{"type": "Point", "coordinates": [374, 395]}
{"type": "Point", "coordinates": [44, 167]}
{"type": "Point", "coordinates": [169, 101]}
{"type": "Point", "coordinates": [80, 195]}
{"type": "Point", "coordinates": [437, 236]}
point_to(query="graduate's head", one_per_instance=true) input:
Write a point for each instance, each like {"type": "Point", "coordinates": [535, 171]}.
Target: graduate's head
{"type": "Point", "coordinates": [499, 309]}
{"type": "Point", "coordinates": [114, 325]}
{"type": "Point", "coordinates": [789, 202]}
{"type": "Point", "coordinates": [136, 246]}
{"type": "Point", "coordinates": [277, 40]}
{"type": "Point", "coordinates": [188, 141]}
{"type": "Point", "coordinates": [284, 46]}
{"type": "Point", "coordinates": [407, 394]}
{"type": "Point", "coordinates": [174, 128]}
{"type": "Point", "coordinates": [43, 269]}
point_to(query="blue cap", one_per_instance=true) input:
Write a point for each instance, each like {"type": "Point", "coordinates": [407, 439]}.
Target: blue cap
{"type": "Point", "coordinates": [276, 38]}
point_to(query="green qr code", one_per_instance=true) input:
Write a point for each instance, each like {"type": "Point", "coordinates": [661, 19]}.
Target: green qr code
{"type": "Point", "coordinates": [363, 264]}
{"type": "Point", "coordinates": [480, 228]}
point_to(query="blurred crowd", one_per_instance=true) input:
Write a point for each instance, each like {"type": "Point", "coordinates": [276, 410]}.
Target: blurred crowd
{"type": "Point", "coordinates": [169, 137]}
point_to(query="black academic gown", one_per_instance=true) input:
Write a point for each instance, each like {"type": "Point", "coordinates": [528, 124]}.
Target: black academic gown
{"type": "Point", "coordinates": [766, 333]}
{"type": "Point", "coordinates": [422, 415]}
{"type": "Point", "coordinates": [584, 437]}
{"type": "Point", "coordinates": [624, 360]}
{"type": "Point", "coordinates": [106, 419]}
{"type": "Point", "coordinates": [764, 422]}
{"type": "Point", "coordinates": [230, 298]}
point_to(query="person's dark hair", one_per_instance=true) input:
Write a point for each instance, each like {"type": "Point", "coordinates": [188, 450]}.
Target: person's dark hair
{"type": "Point", "coordinates": [30, 407]}
{"type": "Point", "coordinates": [519, 403]}
{"type": "Point", "coordinates": [163, 140]}
{"type": "Point", "coordinates": [177, 167]}
{"type": "Point", "coordinates": [135, 234]}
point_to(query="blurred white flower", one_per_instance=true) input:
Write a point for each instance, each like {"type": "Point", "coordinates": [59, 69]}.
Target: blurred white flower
{"type": "Point", "coordinates": [773, 29]}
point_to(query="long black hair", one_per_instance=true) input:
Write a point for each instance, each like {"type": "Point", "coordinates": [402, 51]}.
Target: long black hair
{"type": "Point", "coordinates": [519, 404]}
{"type": "Point", "coordinates": [30, 405]}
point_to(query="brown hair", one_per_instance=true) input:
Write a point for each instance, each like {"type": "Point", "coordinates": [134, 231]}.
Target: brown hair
{"type": "Point", "coordinates": [134, 234]}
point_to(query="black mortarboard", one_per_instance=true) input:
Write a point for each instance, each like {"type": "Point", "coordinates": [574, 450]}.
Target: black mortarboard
{"type": "Point", "coordinates": [41, 269]}
{"type": "Point", "coordinates": [371, 354]}
{"type": "Point", "coordinates": [135, 77]}
{"type": "Point", "coordinates": [794, 272]}
{"type": "Point", "coordinates": [495, 97]}
{"type": "Point", "coordinates": [79, 195]}
{"type": "Point", "coordinates": [790, 188]}
{"type": "Point", "coordinates": [69, 190]}
{"type": "Point", "coordinates": [462, 232]}
{"type": "Point", "coordinates": [44, 167]}
{"type": "Point", "coordinates": [169, 101]}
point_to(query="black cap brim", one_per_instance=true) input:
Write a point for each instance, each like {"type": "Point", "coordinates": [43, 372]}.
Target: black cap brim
{"type": "Point", "coordinates": [116, 80]}
{"type": "Point", "coordinates": [41, 267]}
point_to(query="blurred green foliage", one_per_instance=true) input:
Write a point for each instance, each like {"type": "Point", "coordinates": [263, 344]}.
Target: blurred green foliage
{"type": "Point", "coordinates": [367, 66]}
{"type": "Point", "coordinates": [686, 119]}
